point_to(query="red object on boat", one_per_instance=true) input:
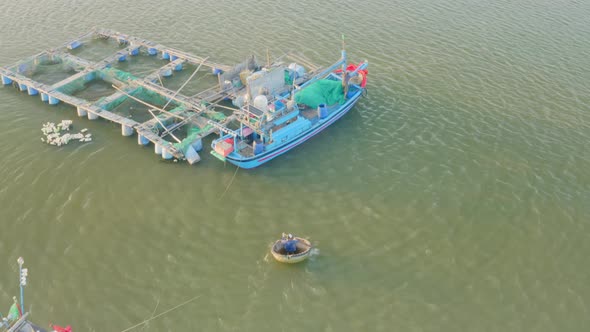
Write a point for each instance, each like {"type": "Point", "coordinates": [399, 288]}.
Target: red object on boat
{"type": "Point", "coordinates": [353, 67]}
{"type": "Point", "coordinates": [224, 148]}
{"type": "Point", "coordinates": [58, 328]}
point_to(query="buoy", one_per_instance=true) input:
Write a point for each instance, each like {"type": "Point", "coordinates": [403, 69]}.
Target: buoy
{"type": "Point", "coordinates": [82, 112]}
{"type": "Point", "coordinates": [6, 80]}
{"type": "Point", "coordinates": [157, 148]}
{"type": "Point", "coordinates": [166, 155]}
{"type": "Point", "coordinates": [126, 130]}
{"type": "Point", "coordinates": [92, 116]}
{"type": "Point", "coordinates": [53, 101]}
{"type": "Point", "coordinates": [142, 140]}
{"type": "Point", "coordinates": [32, 91]}
{"type": "Point", "coordinates": [75, 44]}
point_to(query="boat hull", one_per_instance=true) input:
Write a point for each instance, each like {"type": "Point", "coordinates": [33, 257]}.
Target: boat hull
{"type": "Point", "coordinates": [262, 158]}
{"type": "Point", "coordinates": [295, 258]}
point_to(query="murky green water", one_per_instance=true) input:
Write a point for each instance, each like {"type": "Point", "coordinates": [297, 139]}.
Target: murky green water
{"type": "Point", "coordinates": [454, 198]}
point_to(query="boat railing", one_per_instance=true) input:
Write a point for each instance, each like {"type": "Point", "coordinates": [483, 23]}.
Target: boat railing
{"type": "Point", "coordinates": [19, 323]}
{"type": "Point", "coordinates": [324, 73]}
{"type": "Point", "coordinates": [252, 117]}
{"type": "Point", "coordinates": [222, 128]}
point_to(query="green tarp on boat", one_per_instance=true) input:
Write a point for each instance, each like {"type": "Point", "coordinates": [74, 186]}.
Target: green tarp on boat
{"type": "Point", "coordinates": [328, 92]}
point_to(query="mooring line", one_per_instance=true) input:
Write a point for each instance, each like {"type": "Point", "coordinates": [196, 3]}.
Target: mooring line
{"type": "Point", "coordinates": [153, 312]}
{"type": "Point", "coordinates": [230, 182]}
{"type": "Point", "coordinates": [163, 313]}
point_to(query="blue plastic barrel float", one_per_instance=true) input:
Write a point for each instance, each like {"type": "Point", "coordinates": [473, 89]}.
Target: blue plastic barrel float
{"type": "Point", "coordinates": [216, 71]}
{"type": "Point", "coordinates": [90, 76]}
{"type": "Point", "coordinates": [74, 45]}
{"type": "Point", "coordinates": [32, 91]}
{"type": "Point", "coordinates": [135, 51]}
{"type": "Point", "coordinates": [6, 80]}
{"type": "Point", "coordinates": [53, 100]}
{"type": "Point", "coordinates": [165, 55]}
{"type": "Point", "coordinates": [173, 57]}
{"type": "Point", "coordinates": [44, 97]}
{"type": "Point", "coordinates": [22, 87]}
{"type": "Point", "coordinates": [178, 67]}
{"type": "Point", "coordinates": [152, 51]}
{"type": "Point", "coordinates": [322, 111]}
{"type": "Point", "coordinates": [122, 57]}
{"type": "Point", "coordinates": [167, 73]}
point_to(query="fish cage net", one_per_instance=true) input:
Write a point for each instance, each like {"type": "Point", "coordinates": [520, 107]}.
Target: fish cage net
{"type": "Point", "coordinates": [195, 131]}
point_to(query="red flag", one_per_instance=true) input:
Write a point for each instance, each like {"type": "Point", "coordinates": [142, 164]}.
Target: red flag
{"type": "Point", "coordinates": [57, 328]}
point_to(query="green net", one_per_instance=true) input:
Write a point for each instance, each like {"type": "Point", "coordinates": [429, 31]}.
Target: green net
{"type": "Point", "coordinates": [13, 313]}
{"type": "Point", "coordinates": [193, 133]}
{"type": "Point", "coordinates": [109, 103]}
{"type": "Point", "coordinates": [288, 78]}
{"type": "Point", "coordinates": [112, 74]}
{"type": "Point", "coordinates": [327, 92]}
{"type": "Point", "coordinates": [151, 97]}
{"type": "Point", "coordinates": [217, 116]}
{"type": "Point", "coordinates": [78, 84]}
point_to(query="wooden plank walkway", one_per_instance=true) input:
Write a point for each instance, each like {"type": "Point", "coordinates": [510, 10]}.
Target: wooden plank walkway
{"type": "Point", "coordinates": [135, 41]}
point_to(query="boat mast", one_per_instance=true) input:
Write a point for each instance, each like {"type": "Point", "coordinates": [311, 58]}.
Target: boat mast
{"type": "Point", "coordinates": [344, 81]}
{"type": "Point", "coordinates": [23, 273]}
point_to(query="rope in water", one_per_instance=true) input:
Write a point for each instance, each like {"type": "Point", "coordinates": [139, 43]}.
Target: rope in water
{"type": "Point", "coordinates": [230, 182]}
{"type": "Point", "coordinates": [161, 314]}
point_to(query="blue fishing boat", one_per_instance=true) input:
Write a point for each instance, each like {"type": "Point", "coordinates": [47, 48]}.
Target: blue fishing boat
{"type": "Point", "coordinates": [284, 106]}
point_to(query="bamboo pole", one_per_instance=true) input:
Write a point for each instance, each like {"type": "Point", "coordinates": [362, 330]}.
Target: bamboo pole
{"type": "Point", "coordinates": [163, 126]}
{"type": "Point", "coordinates": [188, 80]}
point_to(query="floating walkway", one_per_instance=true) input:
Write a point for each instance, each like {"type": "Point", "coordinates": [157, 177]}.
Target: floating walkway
{"type": "Point", "coordinates": [177, 122]}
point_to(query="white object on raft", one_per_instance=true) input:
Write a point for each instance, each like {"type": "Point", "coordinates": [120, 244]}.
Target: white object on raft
{"type": "Point", "coordinates": [53, 133]}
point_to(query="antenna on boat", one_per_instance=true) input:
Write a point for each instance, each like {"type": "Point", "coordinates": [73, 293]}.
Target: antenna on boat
{"type": "Point", "coordinates": [23, 273]}
{"type": "Point", "coordinates": [344, 81]}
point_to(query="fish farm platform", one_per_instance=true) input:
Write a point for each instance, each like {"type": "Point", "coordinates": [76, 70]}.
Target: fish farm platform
{"type": "Point", "coordinates": [146, 104]}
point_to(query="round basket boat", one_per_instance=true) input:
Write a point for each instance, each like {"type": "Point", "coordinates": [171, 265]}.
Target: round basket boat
{"type": "Point", "coordinates": [303, 251]}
